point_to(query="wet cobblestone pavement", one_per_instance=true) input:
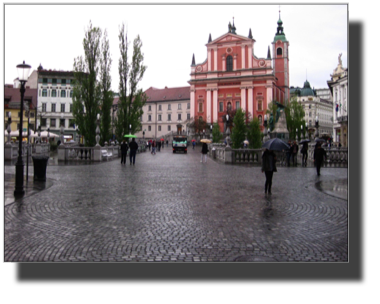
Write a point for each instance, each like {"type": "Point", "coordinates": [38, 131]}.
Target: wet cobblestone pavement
{"type": "Point", "coordinates": [172, 208]}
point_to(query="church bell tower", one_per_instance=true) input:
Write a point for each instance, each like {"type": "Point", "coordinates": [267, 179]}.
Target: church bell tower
{"type": "Point", "coordinates": [280, 51]}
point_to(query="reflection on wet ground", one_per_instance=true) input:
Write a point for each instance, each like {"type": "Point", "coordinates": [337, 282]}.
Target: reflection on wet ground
{"type": "Point", "coordinates": [30, 187]}
{"type": "Point", "coordinates": [337, 188]}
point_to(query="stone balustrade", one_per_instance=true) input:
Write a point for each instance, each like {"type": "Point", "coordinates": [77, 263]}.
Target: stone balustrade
{"type": "Point", "coordinates": [335, 157]}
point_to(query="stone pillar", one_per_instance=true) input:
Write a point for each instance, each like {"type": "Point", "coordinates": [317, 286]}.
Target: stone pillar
{"type": "Point", "coordinates": [243, 56]}
{"type": "Point", "coordinates": [215, 59]}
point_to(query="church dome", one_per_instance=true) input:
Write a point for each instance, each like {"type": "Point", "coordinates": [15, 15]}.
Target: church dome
{"type": "Point", "coordinates": [307, 90]}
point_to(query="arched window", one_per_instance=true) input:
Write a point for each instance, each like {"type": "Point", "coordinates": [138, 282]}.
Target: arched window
{"type": "Point", "coordinates": [259, 104]}
{"type": "Point", "coordinates": [279, 51]}
{"type": "Point", "coordinates": [200, 107]}
{"type": "Point", "coordinates": [229, 63]}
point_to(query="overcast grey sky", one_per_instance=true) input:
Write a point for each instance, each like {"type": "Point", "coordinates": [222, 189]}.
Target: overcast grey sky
{"type": "Point", "coordinates": [171, 34]}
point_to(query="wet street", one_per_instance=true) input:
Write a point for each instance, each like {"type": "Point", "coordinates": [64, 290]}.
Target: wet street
{"type": "Point", "coordinates": [173, 208]}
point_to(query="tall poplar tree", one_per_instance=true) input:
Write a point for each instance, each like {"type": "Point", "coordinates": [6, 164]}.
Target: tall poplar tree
{"type": "Point", "coordinates": [131, 101]}
{"type": "Point", "coordinates": [106, 93]}
{"type": "Point", "coordinates": [87, 92]}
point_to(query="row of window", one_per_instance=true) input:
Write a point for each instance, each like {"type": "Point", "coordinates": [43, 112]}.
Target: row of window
{"type": "Point", "coordinates": [169, 107]}
{"type": "Point", "coordinates": [53, 122]}
{"type": "Point", "coordinates": [229, 106]}
{"type": "Point", "coordinates": [53, 107]}
{"type": "Point", "coordinates": [25, 114]}
{"type": "Point", "coordinates": [55, 81]}
{"type": "Point", "coordinates": [159, 117]}
{"type": "Point", "coordinates": [54, 93]}
{"type": "Point", "coordinates": [159, 128]}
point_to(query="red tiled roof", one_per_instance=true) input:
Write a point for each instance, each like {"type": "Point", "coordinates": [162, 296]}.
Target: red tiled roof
{"type": "Point", "coordinates": [13, 96]}
{"type": "Point", "coordinates": [168, 94]}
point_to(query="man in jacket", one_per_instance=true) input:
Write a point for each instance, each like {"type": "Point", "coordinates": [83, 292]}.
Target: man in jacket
{"type": "Point", "coordinates": [319, 156]}
{"type": "Point", "coordinates": [294, 153]}
{"type": "Point", "coordinates": [132, 154]}
{"type": "Point", "coordinates": [304, 149]}
{"type": "Point", "coordinates": [124, 150]}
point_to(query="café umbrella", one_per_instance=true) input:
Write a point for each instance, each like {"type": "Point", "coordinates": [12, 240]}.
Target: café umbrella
{"type": "Point", "coordinates": [205, 140]}
{"type": "Point", "coordinates": [276, 144]}
{"type": "Point", "coordinates": [130, 136]}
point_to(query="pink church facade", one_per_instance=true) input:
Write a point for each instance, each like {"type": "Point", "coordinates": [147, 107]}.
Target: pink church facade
{"type": "Point", "coordinates": [233, 77]}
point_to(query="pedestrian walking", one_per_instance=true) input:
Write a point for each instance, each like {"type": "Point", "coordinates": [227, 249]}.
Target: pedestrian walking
{"type": "Point", "coordinates": [132, 154]}
{"type": "Point", "coordinates": [193, 144]}
{"type": "Point", "coordinates": [289, 153]}
{"type": "Point", "coordinates": [268, 166]}
{"type": "Point", "coordinates": [304, 149]}
{"type": "Point", "coordinates": [159, 146]}
{"type": "Point", "coordinates": [150, 144]}
{"type": "Point", "coordinates": [153, 147]}
{"type": "Point", "coordinates": [167, 143]}
{"type": "Point", "coordinates": [294, 151]}
{"type": "Point", "coordinates": [204, 153]}
{"type": "Point", "coordinates": [319, 157]}
{"type": "Point", "coordinates": [124, 149]}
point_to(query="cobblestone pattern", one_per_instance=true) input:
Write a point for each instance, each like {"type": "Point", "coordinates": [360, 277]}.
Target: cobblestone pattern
{"type": "Point", "coordinates": [172, 208]}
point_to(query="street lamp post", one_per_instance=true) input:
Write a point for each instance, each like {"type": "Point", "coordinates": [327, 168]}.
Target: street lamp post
{"type": "Point", "coordinates": [301, 131]}
{"type": "Point", "coordinates": [211, 131]}
{"type": "Point", "coordinates": [97, 137]}
{"type": "Point", "coordinates": [265, 127]}
{"type": "Point", "coordinates": [27, 146]}
{"type": "Point", "coordinates": [23, 70]}
{"type": "Point", "coordinates": [297, 137]}
{"type": "Point", "coordinates": [227, 131]}
{"type": "Point", "coordinates": [317, 127]}
{"type": "Point", "coordinates": [62, 129]}
{"type": "Point", "coordinates": [9, 128]}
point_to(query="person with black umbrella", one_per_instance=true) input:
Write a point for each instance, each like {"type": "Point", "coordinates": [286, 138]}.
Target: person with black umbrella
{"type": "Point", "coordinates": [304, 151]}
{"type": "Point", "coordinates": [268, 166]}
{"type": "Point", "coordinates": [319, 156]}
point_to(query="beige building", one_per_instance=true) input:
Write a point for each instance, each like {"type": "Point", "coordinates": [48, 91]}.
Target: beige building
{"type": "Point", "coordinates": [166, 112]}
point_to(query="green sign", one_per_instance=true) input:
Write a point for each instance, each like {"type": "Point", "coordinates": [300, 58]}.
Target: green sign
{"type": "Point", "coordinates": [24, 130]}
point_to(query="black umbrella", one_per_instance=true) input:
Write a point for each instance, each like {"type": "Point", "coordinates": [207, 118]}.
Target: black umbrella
{"type": "Point", "coordinates": [276, 144]}
{"type": "Point", "coordinates": [320, 140]}
{"type": "Point", "coordinates": [305, 141]}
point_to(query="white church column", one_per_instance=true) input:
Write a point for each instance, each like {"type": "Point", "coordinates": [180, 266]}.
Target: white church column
{"type": "Point", "coordinates": [243, 99]}
{"type": "Point", "coordinates": [192, 103]}
{"type": "Point", "coordinates": [215, 59]}
{"type": "Point", "coordinates": [250, 100]}
{"type": "Point", "coordinates": [208, 101]}
{"type": "Point", "coordinates": [243, 56]}
{"type": "Point", "coordinates": [215, 106]}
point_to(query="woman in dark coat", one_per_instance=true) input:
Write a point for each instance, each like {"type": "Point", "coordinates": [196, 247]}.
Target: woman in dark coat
{"type": "Point", "coordinates": [268, 166]}
{"type": "Point", "coordinates": [304, 149]}
{"type": "Point", "coordinates": [204, 153]}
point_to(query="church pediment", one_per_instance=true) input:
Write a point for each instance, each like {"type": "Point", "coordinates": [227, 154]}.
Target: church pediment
{"type": "Point", "coordinates": [229, 38]}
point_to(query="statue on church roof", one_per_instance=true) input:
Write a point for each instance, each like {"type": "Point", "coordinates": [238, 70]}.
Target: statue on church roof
{"type": "Point", "coordinates": [340, 59]}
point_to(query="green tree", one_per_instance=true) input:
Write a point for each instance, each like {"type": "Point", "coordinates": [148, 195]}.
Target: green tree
{"type": "Point", "coordinates": [254, 134]}
{"type": "Point", "coordinates": [295, 117]}
{"type": "Point", "coordinates": [137, 97]}
{"type": "Point", "coordinates": [216, 134]}
{"type": "Point", "coordinates": [106, 92]}
{"type": "Point", "coordinates": [87, 92]}
{"type": "Point", "coordinates": [198, 125]}
{"type": "Point", "coordinates": [239, 129]}
{"type": "Point", "coordinates": [131, 101]}
{"type": "Point", "coordinates": [121, 122]}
